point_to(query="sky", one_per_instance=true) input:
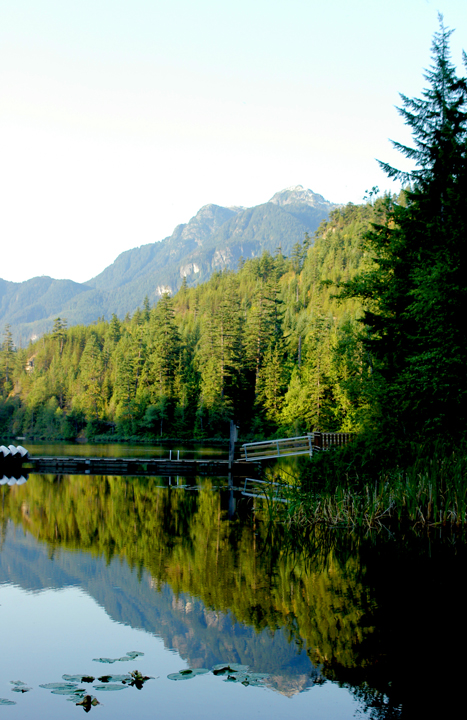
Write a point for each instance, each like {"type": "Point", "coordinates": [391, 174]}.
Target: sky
{"type": "Point", "coordinates": [120, 119]}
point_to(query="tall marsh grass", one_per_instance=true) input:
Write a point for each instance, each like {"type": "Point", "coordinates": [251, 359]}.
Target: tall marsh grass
{"type": "Point", "coordinates": [431, 491]}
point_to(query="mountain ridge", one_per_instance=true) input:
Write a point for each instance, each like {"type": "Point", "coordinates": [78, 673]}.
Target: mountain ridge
{"type": "Point", "coordinates": [214, 239]}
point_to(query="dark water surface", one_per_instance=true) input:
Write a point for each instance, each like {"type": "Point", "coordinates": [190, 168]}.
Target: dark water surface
{"type": "Point", "coordinates": [344, 627]}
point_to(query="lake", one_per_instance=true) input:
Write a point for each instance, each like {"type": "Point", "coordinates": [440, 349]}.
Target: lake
{"type": "Point", "coordinates": [327, 625]}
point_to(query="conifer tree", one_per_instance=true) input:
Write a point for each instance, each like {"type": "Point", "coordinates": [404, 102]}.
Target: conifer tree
{"type": "Point", "coordinates": [7, 358]}
{"type": "Point", "coordinates": [416, 292]}
{"type": "Point", "coordinates": [59, 332]}
{"type": "Point", "coordinates": [163, 356]}
{"type": "Point", "coordinates": [91, 376]}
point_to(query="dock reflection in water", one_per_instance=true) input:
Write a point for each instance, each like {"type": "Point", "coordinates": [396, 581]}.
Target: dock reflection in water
{"type": "Point", "coordinates": [358, 624]}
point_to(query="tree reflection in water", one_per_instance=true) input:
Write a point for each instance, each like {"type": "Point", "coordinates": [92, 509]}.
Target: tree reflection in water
{"type": "Point", "coordinates": [377, 615]}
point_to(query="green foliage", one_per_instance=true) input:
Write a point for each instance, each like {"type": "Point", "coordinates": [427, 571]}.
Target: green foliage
{"type": "Point", "coordinates": [183, 539]}
{"type": "Point", "coordinates": [369, 487]}
{"type": "Point", "coordinates": [415, 289]}
{"type": "Point", "coordinates": [262, 346]}
{"type": "Point", "coordinates": [213, 239]}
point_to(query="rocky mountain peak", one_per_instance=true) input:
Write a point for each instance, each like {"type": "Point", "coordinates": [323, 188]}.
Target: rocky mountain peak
{"type": "Point", "coordinates": [206, 221]}
{"type": "Point", "coordinates": [298, 195]}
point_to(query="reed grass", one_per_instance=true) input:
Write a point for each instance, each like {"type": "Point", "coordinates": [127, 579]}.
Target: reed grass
{"type": "Point", "coordinates": [430, 492]}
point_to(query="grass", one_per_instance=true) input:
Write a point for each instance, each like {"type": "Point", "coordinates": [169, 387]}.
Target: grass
{"type": "Point", "coordinates": [431, 491]}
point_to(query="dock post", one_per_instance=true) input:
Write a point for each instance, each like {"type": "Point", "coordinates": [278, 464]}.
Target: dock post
{"type": "Point", "coordinates": [232, 441]}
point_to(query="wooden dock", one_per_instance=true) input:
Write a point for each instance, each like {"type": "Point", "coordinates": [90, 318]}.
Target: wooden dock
{"type": "Point", "coordinates": [240, 465]}
{"type": "Point", "coordinates": [138, 467]}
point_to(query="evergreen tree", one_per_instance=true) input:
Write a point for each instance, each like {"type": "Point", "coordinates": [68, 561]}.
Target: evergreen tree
{"type": "Point", "coordinates": [272, 383]}
{"type": "Point", "coordinates": [7, 359]}
{"type": "Point", "coordinates": [221, 354]}
{"type": "Point", "coordinates": [59, 332]}
{"type": "Point", "coordinates": [264, 322]}
{"type": "Point", "coordinates": [115, 329]}
{"type": "Point", "coordinates": [416, 291]}
{"type": "Point", "coordinates": [125, 382]}
{"type": "Point", "coordinates": [163, 355]}
{"type": "Point", "coordinates": [91, 376]}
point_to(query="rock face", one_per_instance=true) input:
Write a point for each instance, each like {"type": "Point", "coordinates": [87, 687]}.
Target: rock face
{"type": "Point", "coordinates": [298, 195]}
{"type": "Point", "coordinates": [214, 239]}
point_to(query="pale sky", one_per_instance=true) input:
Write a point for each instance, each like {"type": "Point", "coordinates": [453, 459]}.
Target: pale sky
{"type": "Point", "coordinates": [119, 119]}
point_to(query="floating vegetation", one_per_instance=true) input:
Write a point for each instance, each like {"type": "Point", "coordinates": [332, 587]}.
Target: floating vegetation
{"type": "Point", "coordinates": [22, 689]}
{"type": "Point", "coordinates": [63, 691]}
{"type": "Point", "coordinates": [224, 668]}
{"type": "Point", "coordinates": [254, 679]}
{"type": "Point", "coordinates": [88, 701]}
{"type": "Point", "coordinates": [20, 686]}
{"type": "Point", "coordinates": [114, 678]}
{"type": "Point", "coordinates": [70, 683]}
{"type": "Point", "coordinates": [138, 680]}
{"type": "Point", "coordinates": [231, 672]}
{"type": "Point", "coordinates": [187, 674]}
{"type": "Point", "coordinates": [129, 656]}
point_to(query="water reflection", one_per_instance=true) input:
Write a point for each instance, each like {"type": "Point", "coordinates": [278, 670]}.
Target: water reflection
{"type": "Point", "coordinates": [119, 450]}
{"type": "Point", "coordinates": [375, 617]}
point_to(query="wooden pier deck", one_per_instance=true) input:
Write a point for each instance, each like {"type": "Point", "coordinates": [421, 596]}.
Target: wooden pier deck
{"type": "Point", "coordinates": [136, 466]}
{"type": "Point", "coordinates": [241, 464]}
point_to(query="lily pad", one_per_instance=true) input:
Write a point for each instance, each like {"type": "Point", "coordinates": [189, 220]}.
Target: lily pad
{"type": "Point", "coordinates": [60, 686]}
{"type": "Point", "coordinates": [225, 668]}
{"type": "Point", "coordinates": [17, 682]}
{"type": "Point", "coordinates": [187, 674]}
{"type": "Point", "coordinates": [21, 689]}
{"type": "Point", "coordinates": [79, 678]}
{"type": "Point", "coordinates": [4, 701]}
{"type": "Point", "coordinates": [255, 679]}
{"type": "Point", "coordinates": [115, 678]}
{"type": "Point", "coordinates": [125, 658]}
{"type": "Point", "coordinates": [110, 686]}
{"type": "Point", "coordinates": [253, 682]}
{"type": "Point", "coordinates": [63, 691]}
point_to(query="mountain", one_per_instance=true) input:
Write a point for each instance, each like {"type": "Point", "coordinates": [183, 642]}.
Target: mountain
{"type": "Point", "coordinates": [201, 635]}
{"type": "Point", "coordinates": [214, 239]}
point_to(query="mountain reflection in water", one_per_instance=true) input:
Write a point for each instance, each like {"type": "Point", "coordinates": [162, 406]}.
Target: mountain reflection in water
{"type": "Point", "coordinates": [378, 617]}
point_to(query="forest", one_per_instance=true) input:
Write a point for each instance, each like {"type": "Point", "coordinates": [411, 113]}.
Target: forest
{"type": "Point", "coordinates": [267, 346]}
{"type": "Point", "coordinates": [361, 329]}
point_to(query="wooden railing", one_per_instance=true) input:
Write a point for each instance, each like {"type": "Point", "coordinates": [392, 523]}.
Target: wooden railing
{"type": "Point", "coordinates": [286, 447]}
{"type": "Point", "coordinates": [326, 440]}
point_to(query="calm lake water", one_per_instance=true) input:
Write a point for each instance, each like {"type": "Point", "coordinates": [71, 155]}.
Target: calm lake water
{"type": "Point", "coordinates": [341, 627]}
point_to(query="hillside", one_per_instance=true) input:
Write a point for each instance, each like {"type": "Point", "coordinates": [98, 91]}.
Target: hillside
{"type": "Point", "coordinates": [267, 344]}
{"type": "Point", "coordinates": [214, 239]}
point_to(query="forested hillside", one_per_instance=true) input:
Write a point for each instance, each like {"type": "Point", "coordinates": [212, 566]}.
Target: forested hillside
{"type": "Point", "coordinates": [267, 345]}
{"type": "Point", "coordinates": [213, 240]}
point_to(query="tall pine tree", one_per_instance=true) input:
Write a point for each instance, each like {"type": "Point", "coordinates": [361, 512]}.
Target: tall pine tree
{"type": "Point", "coordinates": [416, 292]}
